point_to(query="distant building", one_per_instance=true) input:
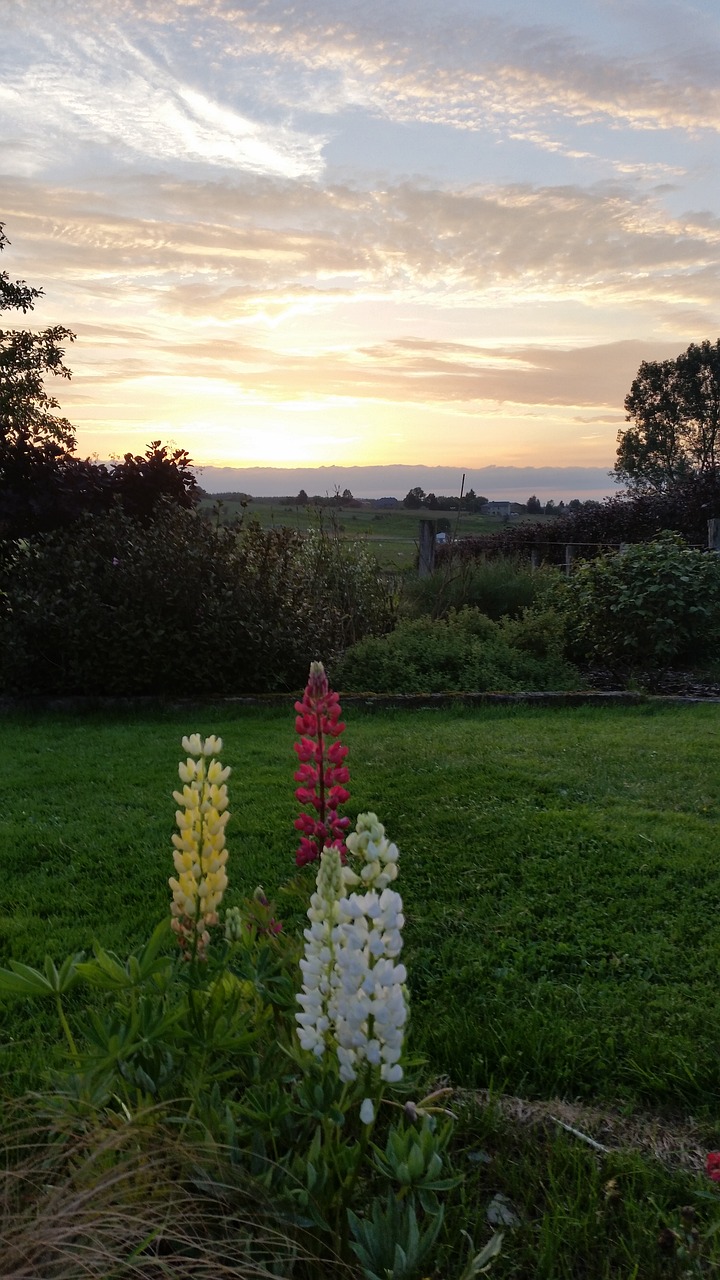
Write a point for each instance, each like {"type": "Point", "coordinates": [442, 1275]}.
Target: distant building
{"type": "Point", "coordinates": [505, 509]}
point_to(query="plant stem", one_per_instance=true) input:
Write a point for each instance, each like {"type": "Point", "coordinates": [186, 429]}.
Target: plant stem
{"type": "Point", "coordinates": [66, 1028]}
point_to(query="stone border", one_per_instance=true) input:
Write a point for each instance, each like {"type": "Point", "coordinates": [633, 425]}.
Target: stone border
{"type": "Point", "coordinates": [381, 701]}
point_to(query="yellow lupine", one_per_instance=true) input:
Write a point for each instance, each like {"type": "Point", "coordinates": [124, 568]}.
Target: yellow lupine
{"type": "Point", "coordinates": [199, 853]}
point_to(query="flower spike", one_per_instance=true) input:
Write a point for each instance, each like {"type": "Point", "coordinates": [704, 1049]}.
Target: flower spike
{"type": "Point", "coordinates": [322, 772]}
{"type": "Point", "coordinates": [199, 854]}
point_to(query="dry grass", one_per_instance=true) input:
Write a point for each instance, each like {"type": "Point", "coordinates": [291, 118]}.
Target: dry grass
{"type": "Point", "coordinates": [678, 1144]}
{"type": "Point", "coordinates": [132, 1200]}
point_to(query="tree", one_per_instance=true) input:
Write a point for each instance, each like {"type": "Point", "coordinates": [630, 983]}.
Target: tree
{"type": "Point", "coordinates": [43, 486]}
{"type": "Point", "coordinates": [142, 482]}
{"type": "Point", "coordinates": [26, 410]}
{"type": "Point", "coordinates": [39, 479]}
{"type": "Point", "coordinates": [415, 498]}
{"type": "Point", "coordinates": [533, 506]}
{"type": "Point", "coordinates": [674, 406]}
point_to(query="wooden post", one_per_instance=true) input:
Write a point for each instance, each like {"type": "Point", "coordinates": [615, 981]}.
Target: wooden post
{"type": "Point", "coordinates": [534, 559]}
{"type": "Point", "coordinates": [569, 552]}
{"type": "Point", "coordinates": [426, 561]}
{"type": "Point", "coordinates": [714, 534]}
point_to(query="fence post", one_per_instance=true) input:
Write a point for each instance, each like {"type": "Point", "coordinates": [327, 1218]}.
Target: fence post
{"type": "Point", "coordinates": [569, 553]}
{"type": "Point", "coordinates": [426, 560]}
{"type": "Point", "coordinates": [714, 534]}
{"type": "Point", "coordinates": [533, 559]}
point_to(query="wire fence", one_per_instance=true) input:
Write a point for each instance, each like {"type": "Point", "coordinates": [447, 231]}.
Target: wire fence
{"type": "Point", "coordinates": [539, 552]}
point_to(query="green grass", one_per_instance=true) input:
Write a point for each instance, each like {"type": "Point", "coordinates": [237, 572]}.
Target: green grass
{"type": "Point", "coordinates": [559, 869]}
{"type": "Point", "coordinates": [561, 881]}
{"type": "Point", "coordinates": [579, 1214]}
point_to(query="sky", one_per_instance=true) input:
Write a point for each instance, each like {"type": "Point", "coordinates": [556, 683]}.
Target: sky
{"type": "Point", "coordinates": [350, 234]}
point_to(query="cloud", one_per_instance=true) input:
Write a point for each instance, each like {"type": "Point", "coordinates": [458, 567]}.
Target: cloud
{"type": "Point", "coordinates": [466, 68]}
{"type": "Point", "coordinates": [98, 87]}
{"type": "Point", "coordinates": [226, 251]}
{"type": "Point", "coordinates": [408, 371]}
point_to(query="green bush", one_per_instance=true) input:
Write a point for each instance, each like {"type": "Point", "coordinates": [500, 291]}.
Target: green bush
{"type": "Point", "coordinates": [465, 652]}
{"type": "Point", "coordinates": [502, 586]}
{"type": "Point", "coordinates": [108, 606]}
{"type": "Point", "coordinates": [654, 604]}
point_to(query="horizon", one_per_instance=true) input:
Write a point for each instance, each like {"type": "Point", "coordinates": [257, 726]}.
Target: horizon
{"type": "Point", "coordinates": [515, 484]}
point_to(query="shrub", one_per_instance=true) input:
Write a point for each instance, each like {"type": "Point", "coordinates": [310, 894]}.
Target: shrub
{"type": "Point", "coordinates": [465, 652]}
{"type": "Point", "coordinates": [108, 606]}
{"type": "Point", "coordinates": [653, 604]}
{"type": "Point", "coordinates": [498, 587]}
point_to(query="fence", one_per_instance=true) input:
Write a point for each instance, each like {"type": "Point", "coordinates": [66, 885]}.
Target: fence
{"type": "Point", "coordinates": [560, 554]}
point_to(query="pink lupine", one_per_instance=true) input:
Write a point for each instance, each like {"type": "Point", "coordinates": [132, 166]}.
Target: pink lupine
{"type": "Point", "coordinates": [322, 773]}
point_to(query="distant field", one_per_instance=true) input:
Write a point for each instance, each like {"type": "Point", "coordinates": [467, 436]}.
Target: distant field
{"type": "Point", "coordinates": [391, 534]}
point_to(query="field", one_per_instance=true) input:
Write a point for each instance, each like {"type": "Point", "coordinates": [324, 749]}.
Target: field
{"type": "Point", "coordinates": [561, 883]}
{"type": "Point", "coordinates": [392, 535]}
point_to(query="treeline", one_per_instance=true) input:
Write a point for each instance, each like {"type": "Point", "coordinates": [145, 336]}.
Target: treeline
{"type": "Point", "coordinates": [43, 488]}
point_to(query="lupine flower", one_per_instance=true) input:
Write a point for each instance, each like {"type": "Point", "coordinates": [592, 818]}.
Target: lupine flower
{"type": "Point", "coordinates": [233, 924]}
{"type": "Point", "coordinates": [353, 995]}
{"type": "Point", "coordinates": [323, 773]}
{"type": "Point", "coordinates": [317, 966]}
{"type": "Point", "coordinates": [371, 846]}
{"type": "Point", "coordinates": [200, 854]}
{"type": "Point", "coordinates": [367, 1111]}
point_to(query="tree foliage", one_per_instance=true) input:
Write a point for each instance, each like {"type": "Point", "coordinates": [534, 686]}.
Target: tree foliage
{"type": "Point", "coordinates": [43, 486]}
{"type": "Point", "coordinates": [652, 605]}
{"type": "Point", "coordinates": [414, 498]}
{"type": "Point", "coordinates": [112, 604]}
{"type": "Point", "coordinates": [27, 410]}
{"type": "Point", "coordinates": [674, 408]}
{"type": "Point", "coordinates": [141, 482]}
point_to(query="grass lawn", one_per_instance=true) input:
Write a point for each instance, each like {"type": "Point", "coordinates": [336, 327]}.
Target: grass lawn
{"type": "Point", "coordinates": [561, 879]}
{"type": "Point", "coordinates": [559, 870]}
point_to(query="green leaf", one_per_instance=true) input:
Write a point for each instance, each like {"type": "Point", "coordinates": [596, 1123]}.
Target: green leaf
{"type": "Point", "coordinates": [24, 981]}
{"type": "Point", "coordinates": [477, 1265]}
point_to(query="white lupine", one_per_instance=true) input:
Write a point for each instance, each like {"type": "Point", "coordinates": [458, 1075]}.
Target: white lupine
{"type": "Point", "coordinates": [371, 846]}
{"type": "Point", "coordinates": [317, 966]}
{"type": "Point", "coordinates": [367, 1111]}
{"type": "Point", "coordinates": [353, 993]}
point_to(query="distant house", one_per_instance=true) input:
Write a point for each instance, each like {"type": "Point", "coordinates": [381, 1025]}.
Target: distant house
{"type": "Point", "coordinates": [505, 509]}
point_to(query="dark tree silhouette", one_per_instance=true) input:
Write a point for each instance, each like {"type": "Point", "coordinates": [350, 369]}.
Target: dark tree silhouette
{"type": "Point", "coordinates": [674, 408]}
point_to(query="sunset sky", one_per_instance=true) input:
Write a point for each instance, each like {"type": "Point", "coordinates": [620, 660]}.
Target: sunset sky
{"type": "Point", "coordinates": [442, 232]}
